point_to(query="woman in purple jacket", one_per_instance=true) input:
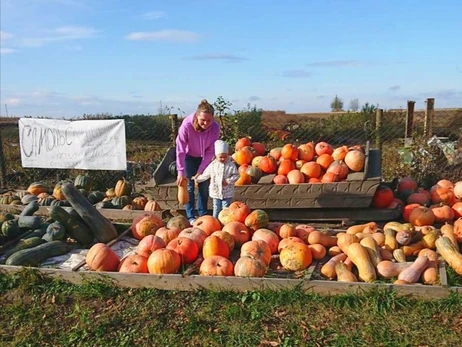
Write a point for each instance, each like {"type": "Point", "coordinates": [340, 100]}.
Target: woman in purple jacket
{"type": "Point", "coordinates": [194, 151]}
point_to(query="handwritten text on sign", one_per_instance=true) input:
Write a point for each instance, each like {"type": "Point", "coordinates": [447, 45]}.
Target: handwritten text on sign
{"type": "Point", "coordinates": [85, 144]}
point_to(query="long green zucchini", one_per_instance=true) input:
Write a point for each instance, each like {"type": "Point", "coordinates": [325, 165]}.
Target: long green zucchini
{"type": "Point", "coordinates": [74, 227]}
{"type": "Point", "coordinates": [22, 244]}
{"type": "Point", "coordinates": [35, 255]}
{"type": "Point", "coordinates": [100, 226]}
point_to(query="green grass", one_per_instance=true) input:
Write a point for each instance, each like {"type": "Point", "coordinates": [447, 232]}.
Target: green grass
{"type": "Point", "coordinates": [40, 311]}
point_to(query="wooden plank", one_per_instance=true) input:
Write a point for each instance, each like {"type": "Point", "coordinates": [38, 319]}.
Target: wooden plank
{"type": "Point", "coordinates": [238, 284]}
{"type": "Point", "coordinates": [442, 272]}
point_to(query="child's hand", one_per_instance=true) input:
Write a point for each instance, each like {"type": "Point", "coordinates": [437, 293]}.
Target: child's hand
{"type": "Point", "coordinates": [225, 183]}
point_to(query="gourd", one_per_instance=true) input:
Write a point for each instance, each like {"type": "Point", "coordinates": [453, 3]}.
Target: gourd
{"type": "Point", "coordinates": [344, 274]}
{"type": "Point", "coordinates": [35, 255]}
{"type": "Point", "coordinates": [328, 269]}
{"type": "Point", "coordinates": [345, 240]}
{"type": "Point", "coordinates": [448, 231]}
{"type": "Point", "coordinates": [387, 269]}
{"type": "Point", "coordinates": [430, 274]}
{"type": "Point", "coordinates": [360, 257]}
{"type": "Point", "coordinates": [30, 209]}
{"type": "Point", "coordinates": [74, 227]}
{"type": "Point", "coordinates": [55, 231]}
{"type": "Point", "coordinates": [399, 255]}
{"type": "Point", "coordinates": [413, 272]}
{"type": "Point", "coordinates": [183, 196]}
{"type": "Point", "coordinates": [29, 222]}
{"type": "Point", "coordinates": [22, 244]}
{"type": "Point", "coordinates": [101, 227]}
{"type": "Point", "coordinates": [390, 241]}
{"type": "Point", "coordinates": [354, 229]}
{"type": "Point", "coordinates": [428, 241]}
{"type": "Point", "coordinates": [326, 240]}
{"type": "Point", "coordinates": [450, 254]}
{"type": "Point", "coordinates": [372, 249]}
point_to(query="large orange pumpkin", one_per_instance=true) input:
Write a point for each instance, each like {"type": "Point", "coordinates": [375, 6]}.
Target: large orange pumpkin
{"type": "Point", "coordinates": [323, 148]}
{"type": "Point", "coordinates": [285, 166]}
{"type": "Point", "coordinates": [243, 180]}
{"type": "Point", "coordinates": [287, 230]}
{"type": "Point", "coordinates": [139, 203]}
{"type": "Point", "coordinates": [295, 177]}
{"type": "Point", "coordinates": [258, 249]}
{"type": "Point", "coordinates": [216, 266]}
{"type": "Point", "coordinates": [164, 261]}
{"type": "Point", "coordinates": [227, 237]}
{"type": "Point", "coordinates": [213, 245]}
{"type": "Point", "coordinates": [458, 190]}
{"type": "Point", "coordinates": [445, 184]}
{"type": "Point", "coordinates": [123, 187]}
{"type": "Point", "coordinates": [311, 170]}
{"type": "Point", "coordinates": [268, 236]}
{"type": "Point", "coordinates": [355, 160]}
{"type": "Point", "coordinates": [285, 242]}
{"type": "Point", "coordinates": [152, 205]}
{"type": "Point", "coordinates": [249, 266]}
{"type": "Point", "coordinates": [324, 160]}
{"type": "Point", "coordinates": [238, 231]}
{"type": "Point", "coordinates": [244, 156]}
{"type": "Point", "coordinates": [296, 256]}
{"type": "Point", "coordinates": [440, 194]}
{"type": "Point", "coordinates": [195, 234]}
{"type": "Point", "coordinates": [458, 230]}
{"type": "Point", "coordinates": [280, 179]}
{"type": "Point", "coordinates": [268, 164]}
{"type": "Point", "coordinates": [149, 244]}
{"type": "Point", "coordinates": [418, 198]}
{"type": "Point", "coordinates": [408, 209]}
{"type": "Point", "coordinates": [100, 257]}
{"type": "Point", "coordinates": [339, 168]}
{"type": "Point", "coordinates": [187, 249]}
{"type": "Point", "coordinates": [133, 263]}
{"type": "Point", "coordinates": [257, 219]}
{"type": "Point", "coordinates": [207, 223]}
{"type": "Point", "coordinates": [241, 143]}
{"type": "Point", "coordinates": [421, 216]}
{"type": "Point", "coordinates": [240, 210]}
{"type": "Point", "coordinates": [275, 153]}
{"type": "Point", "coordinates": [457, 208]}
{"type": "Point", "coordinates": [167, 233]}
{"type": "Point", "coordinates": [289, 151]}
{"type": "Point", "coordinates": [146, 224]}
{"type": "Point", "coordinates": [340, 153]}
{"type": "Point", "coordinates": [259, 148]}
{"type": "Point", "coordinates": [383, 197]}
{"type": "Point", "coordinates": [329, 177]}
{"type": "Point", "coordinates": [306, 152]}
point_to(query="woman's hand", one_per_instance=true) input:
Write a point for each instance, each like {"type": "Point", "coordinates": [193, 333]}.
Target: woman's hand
{"type": "Point", "coordinates": [180, 179]}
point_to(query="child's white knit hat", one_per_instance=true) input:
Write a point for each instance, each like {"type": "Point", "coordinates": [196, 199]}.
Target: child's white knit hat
{"type": "Point", "coordinates": [221, 147]}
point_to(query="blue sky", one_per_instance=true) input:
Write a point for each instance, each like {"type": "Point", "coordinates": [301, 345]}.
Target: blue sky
{"type": "Point", "coordinates": [63, 58]}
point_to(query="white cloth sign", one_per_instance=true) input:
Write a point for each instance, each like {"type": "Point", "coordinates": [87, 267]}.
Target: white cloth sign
{"type": "Point", "coordinates": [83, 144]}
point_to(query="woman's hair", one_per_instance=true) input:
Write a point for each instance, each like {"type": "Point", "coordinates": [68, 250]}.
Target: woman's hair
{"type": "Point", "coordinates": [205, 107]}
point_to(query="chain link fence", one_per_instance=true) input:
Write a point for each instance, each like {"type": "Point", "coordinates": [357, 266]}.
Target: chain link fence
{"type": "Point", "coordinates": [424, 144]}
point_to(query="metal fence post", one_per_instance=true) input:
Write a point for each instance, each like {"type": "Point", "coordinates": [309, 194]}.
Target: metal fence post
{"type": "Point", "coordinates": [378, 128]}
{"type": "Point", "coordinates": [174, 121]}
{"type": "Point", "coordinates": [429, 114]}
{"type": "Point", "coordinates": [3, 179]}
{"type": "Point", "coordinates": [409, 122]}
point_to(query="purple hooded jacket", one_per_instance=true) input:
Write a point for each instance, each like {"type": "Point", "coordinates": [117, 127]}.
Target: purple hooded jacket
{"type": "Point", "coordinates": [195, 144]}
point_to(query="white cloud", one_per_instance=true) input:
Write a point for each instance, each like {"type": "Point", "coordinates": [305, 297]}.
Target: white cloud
{"type": "Point", "coordinates": [13, 101]}
{"type": "Point", "coordinates": [155, 15]}
{"type": "Point", "coordinates": [229, 58]}
{"type": "Point", "coordinates": [5, 36]}
{"type": "Point", "coordinates": [61, 34]}
{"type": "Point", "coordinates": [4, 51]}
{"type": "Point", "coordinates": [181, 36]}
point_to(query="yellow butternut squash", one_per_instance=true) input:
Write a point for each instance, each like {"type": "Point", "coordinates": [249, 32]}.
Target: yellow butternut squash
{"type": "Point", "coordinates": [183, 196]}
{"type": "Point", "coordinates": [450, 254]}
{"type": "Point", "coordinates": [372, 249]}
{"type": "Point", "coordinates": [328, 269]}
{"type": "Point", "coordinates": [360, 257]}
{"type": "Point", "coordinates": [344, 274]}
{"type": "Point", "coordinates": [448, 231]}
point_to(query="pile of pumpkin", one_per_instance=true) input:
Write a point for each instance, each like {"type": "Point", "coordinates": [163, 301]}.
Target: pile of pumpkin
{"type": "Point", "coordinates": [118, 197]}
{"type": "Point", "coordinates": [244, 243]}
{"type": "Point", "coordinates": [307, 163]}
{"type": "Point", "coordinates": [442, 203]}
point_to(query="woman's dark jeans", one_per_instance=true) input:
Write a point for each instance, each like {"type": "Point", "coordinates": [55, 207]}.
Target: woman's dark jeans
{"type": "Point", "coordinates": [191, 166]}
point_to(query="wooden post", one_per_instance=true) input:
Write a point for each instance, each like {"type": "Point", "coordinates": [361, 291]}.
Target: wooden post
{"type": "Point", "coordinates": [378, 128]}
{"type": "Point", "coordinates": [429, 114]}
{"type": "Point", "coordinates": [409, 122]}
{"type": "Point", "coordinates": [3, 179]}
{"type": "Point", "coordinates": [174, 121]}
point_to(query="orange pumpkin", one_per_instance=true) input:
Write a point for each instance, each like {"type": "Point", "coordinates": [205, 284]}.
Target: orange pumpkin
{"type": "Point", "coordinates": [408, 209]}
{"type": "Point", "coordinates": [443, 213]}
{"type": "Point", "coordinates": [268, 164]}
{"type": "Point", "coordinates": [458, 230]}
{"type": "Point", "coordinates": [339, 168]}
{"type": "Point", "coordinates": [244, 156]}
{"type": "Point", "coordinates": [323, 148]}
{"type": "Point", "coordinates": [249, 266]}
{"type": "Point", "coordinates": [123, 187]}
{"type": "Point", "coordinates": [100, 257]}
{"type": "Point", "coordinates": [285, 166]}
{"type": "Point", "coordinates": [208, 224]}
{"type": "Point", "coordinates": [257, 219]}
{"type": "Point", "coordinates": [240, 210]}
{"type": "Point", "coordinates": [139, 202]}
{"type": "Point", "coordinates": [195, 234]}
{"type": "Point", "coordinates": [238, 231]}
{"type": "Point", "coordinates": [306, 152]}
{"type": "Point", "coordinates": [383, 197]}
{"type": "Point", "coordinates": [285, 242]}
{"type": "Point", "coordinates": [340, 153]}
{"type": "Point", "coordinates": [445, 184]}
{"type": "Point", "coordinates": [458, 190]}
{"type": "Point", "coordinates": [216, 266]}
{"type": "Point", "coordinates": [213, 245]}
{"type": "Point", "coordinates": [149, 244]}
{"type": "Point", "coordinates": [289, 151]}
{"type": "Point", "coordinates": [457, 208]}
{"type": "Point", "coordinates": [258, 249]}
{"type": "Point", "coordinates": [146, 224]}
{"type": "Point", "coordinates": [152, 205]}
{"type": "Point", "coordinates": [187, 249]}
{"type": "Point", "coordinates": [227, 237]}
{"type": "Point", "coordinates": [267, 236]}
{"type": "Point", "coordinates": [164, 261]}
{"type": "Point", "coordinates": [241, 143]}
{"type": "Point", "coordinates": [324, 160]}
{"type": "Point", "coordinates": [243, 180]}
{"type": "Point", "coordinates": [440, 194]}
{"type": "Point", "coordinates": [421, 216]}
{"type": "Point", "coordinates": [280, 179]}
{"type": "Point", "coordinates": [296, 256]}
{"type": "Point", "coordinates": [418, 198]}
{"type": "Point", "coordinates": [167, 233]}
{"type": "Point", "coordinates": [133, 263]}
{"type": "Point", "coordinates": [311, 170]}
{"type": "Point", "coordinates": [407, 183]}
{"type": "Point", "coordinates": [295, 177]}
{"type": "Point", "coordinates": [259, 148]}
{"type": "Point", "coordinates": [275, 153]}
{"type": "Point", "coordinates": [37, 187]}
{"type": "Point", "coordinates": [329, 177]}
{"type": "Point", "coordinates": [243, 169]}
{"type": "Point", "coordinates": [355, 160]}
{"type": "Point", "coordinates": [287, 230]}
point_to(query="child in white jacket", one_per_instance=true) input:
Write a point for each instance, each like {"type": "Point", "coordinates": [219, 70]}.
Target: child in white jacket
{"type": "Point", "coordinates": [223, 174]}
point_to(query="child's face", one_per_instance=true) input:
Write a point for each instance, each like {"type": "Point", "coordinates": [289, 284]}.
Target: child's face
{"type": "Point", "coordinates": [222, 157]}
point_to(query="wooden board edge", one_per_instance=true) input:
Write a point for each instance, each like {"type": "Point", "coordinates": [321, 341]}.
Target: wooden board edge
{"type": "Point", "coordinates": [237, 284]}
